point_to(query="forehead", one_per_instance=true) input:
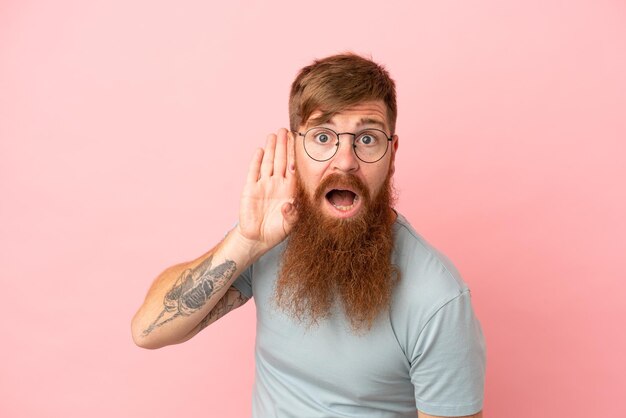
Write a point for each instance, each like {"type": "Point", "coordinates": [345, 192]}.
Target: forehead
{"type": "Point", "coordinates": [366, 113]}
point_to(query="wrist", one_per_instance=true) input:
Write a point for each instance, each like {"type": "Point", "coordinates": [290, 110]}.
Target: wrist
{"type": "Point", "coordinates": [252, 249]}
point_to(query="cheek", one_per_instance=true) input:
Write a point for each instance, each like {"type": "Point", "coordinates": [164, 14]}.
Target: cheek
{"type": "Point", "coordinates": [376, 178]}
{"type": "Point", "coordinates": [310, 172]}
{"type": "Point", "coordinates": [308, 179]}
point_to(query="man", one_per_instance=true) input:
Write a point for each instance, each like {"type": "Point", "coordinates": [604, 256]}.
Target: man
{"type": "Point", "coordinates": [357, 314]}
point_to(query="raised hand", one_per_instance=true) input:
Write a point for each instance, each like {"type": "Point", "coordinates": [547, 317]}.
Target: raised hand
{"type": "Point", "coordinates": [266, 211]}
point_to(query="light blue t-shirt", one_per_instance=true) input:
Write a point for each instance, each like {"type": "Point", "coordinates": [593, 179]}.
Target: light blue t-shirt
{"type": "Point", "coordinates": [426, 353]}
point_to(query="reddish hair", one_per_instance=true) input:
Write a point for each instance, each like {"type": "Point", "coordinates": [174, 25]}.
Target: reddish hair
{"type": "Point", "coordinates": [337, 82]}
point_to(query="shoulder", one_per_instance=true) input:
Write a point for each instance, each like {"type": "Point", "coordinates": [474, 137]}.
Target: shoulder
{"type": "Point", "coordinates": [428, 278]}
{"type": "Point", "coordinates": [421, 265]}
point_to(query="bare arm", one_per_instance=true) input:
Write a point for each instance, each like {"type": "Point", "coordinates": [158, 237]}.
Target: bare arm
{"type": "Point", "coordinates": [231, 300]}
{"type": "Point", "coordinates": [184, 295]}
{"type": "Point", "coordinates": [187, 297]}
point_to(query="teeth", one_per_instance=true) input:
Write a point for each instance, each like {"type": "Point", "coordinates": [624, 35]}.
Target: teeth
{"type": "Point", "coordinates": [346, 208]}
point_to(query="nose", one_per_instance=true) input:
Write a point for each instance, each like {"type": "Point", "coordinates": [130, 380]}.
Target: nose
{"type": "Point", "coordinates": [345, 159]}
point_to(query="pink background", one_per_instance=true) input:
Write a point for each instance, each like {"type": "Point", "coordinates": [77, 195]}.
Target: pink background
{"type": "Point", "coordinates": [125, 133]}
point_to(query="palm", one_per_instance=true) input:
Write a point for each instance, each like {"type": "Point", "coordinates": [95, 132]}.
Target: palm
{"type": "Point", "coordinates": [270, 184]}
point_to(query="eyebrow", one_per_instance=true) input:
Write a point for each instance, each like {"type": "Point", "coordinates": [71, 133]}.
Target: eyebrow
{"type": "Point", "coordinates": [371, 121]}
{"type": "Point", "coordinates": [362, 121]}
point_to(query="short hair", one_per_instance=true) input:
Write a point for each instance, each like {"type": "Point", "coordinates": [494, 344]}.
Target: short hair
{"type": "Point", "coordinates": [335, 83]}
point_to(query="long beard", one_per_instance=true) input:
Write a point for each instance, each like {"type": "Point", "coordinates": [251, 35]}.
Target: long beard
{"type": "Point", "coordinates": [346, 261]}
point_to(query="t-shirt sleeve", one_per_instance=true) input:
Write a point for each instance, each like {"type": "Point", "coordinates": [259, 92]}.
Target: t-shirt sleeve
{"type": "Point", "coordinates": [243, 283]}
{"type": "Point", "coordinates": [448, 361]}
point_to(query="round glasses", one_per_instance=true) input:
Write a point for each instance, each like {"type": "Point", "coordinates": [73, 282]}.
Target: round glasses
{"type": "Point", "coordinates": [321, 144]}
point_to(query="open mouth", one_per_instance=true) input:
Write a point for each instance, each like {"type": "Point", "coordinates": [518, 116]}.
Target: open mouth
{"type": "Point", "coordinates": [342, 199]}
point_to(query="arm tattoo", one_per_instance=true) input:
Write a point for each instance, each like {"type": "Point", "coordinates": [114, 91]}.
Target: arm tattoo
{"type": "Point", "coordinates": [192, 289]}
{"type": "Point", "coordinates": [231, 300]}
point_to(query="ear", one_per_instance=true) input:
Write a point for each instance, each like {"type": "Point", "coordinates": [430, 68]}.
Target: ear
{"type": "Point", "coordinates": [394, 149]}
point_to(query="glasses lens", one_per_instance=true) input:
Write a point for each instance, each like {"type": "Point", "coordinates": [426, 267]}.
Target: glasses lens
{"type": "Point", "coordinates": [371, 145]}
{"type": "Point", "coordinates": [320, 143]}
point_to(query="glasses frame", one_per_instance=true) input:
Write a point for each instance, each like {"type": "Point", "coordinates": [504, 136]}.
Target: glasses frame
{"type": "Point", "coordinates": [354, 137]}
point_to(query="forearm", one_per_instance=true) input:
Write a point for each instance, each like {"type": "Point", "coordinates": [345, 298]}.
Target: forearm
{"type": "Point", "coordinates": [179, 302]}
{"type": "Point", "coordinates": [184, 295]}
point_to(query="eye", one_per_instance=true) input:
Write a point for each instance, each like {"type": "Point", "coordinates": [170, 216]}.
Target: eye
{"type": "Point", "coordinates": [367, 139]}
{"type": "Point", "coordinates": [322, 138]}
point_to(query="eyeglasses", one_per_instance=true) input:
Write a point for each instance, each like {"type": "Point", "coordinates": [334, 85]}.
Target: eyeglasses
{"type": "Point", "coordinates": [321, 144]}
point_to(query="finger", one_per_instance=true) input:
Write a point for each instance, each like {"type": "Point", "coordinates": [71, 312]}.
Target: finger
{"type": "Point", "coordinates": [267, 166]}
{"type": "Point", "coordinates": [255, 166]}
{"type": "Point", "coordinates": [280, 159]}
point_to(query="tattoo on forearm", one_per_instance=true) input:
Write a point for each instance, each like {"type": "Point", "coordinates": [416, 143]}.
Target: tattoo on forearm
{"type": "Point", "coordinates": [231, 300]}
{"type": "Point", "coordinates": [192, 289]}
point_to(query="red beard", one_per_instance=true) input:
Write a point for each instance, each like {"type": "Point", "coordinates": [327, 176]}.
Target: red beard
{"type": "Point", "coordinates": [330, 260]}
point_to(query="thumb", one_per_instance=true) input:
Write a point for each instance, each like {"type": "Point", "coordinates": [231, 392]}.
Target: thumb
{"type": "Point", "coordinates": [290, 214]}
